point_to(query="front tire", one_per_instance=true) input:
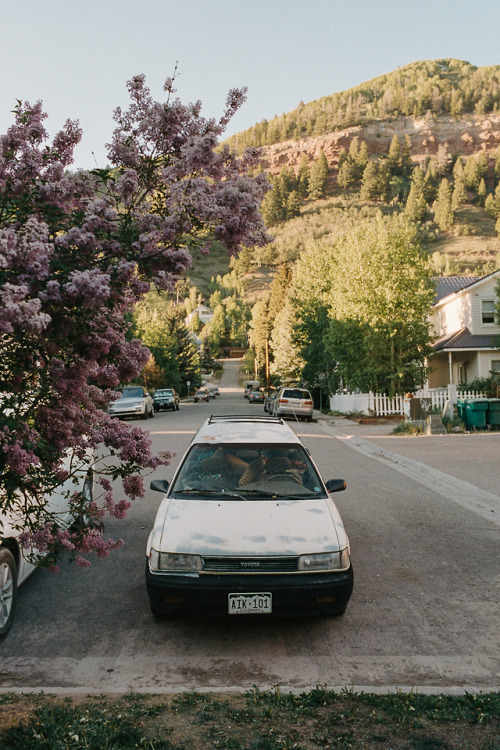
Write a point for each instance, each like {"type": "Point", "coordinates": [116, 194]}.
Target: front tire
{"type": "Point", "coordinates": [8, 590]}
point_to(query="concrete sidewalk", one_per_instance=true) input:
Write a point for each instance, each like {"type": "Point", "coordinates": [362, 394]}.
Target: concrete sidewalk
{"type": "Point", "coordinates": [461, 467]}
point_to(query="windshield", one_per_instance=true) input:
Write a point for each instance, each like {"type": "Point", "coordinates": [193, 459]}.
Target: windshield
{"type": "Point", "coordinates": [164, 392]}
{"type": "Point", "coordinates": [132, 393]}
{"type": "Point", "coordinates": [247, 472]}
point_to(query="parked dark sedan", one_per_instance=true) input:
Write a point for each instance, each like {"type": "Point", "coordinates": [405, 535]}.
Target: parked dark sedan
{"type": "Point", "coordinates": [166, 398]}
{"type": "Point", "coordinates": [256, 396]}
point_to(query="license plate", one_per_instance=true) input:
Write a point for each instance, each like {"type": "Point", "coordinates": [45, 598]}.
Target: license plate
{"type": "Point", "coordinates": [249, 604]}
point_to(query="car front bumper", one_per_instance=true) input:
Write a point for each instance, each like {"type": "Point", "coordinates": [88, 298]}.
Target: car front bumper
{"type": "Point", "coordinates": [292, 594]}
{"type": "Point", "coordinates": [159, 405]}
{"type": "Point", "coordinates": [133, 412]}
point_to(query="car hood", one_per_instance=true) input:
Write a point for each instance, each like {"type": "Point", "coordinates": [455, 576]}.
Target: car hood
{"type": "Point", "coordinates": [254, 527]}
{"type": "Point", "coordinates": [127, 401]}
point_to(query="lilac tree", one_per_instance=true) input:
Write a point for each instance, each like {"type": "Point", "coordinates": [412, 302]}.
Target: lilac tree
{"type": "Point", "coordinates": [77, 252]}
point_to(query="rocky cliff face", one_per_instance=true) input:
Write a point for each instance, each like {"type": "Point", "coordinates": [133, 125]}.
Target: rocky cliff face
{"type": "Point", "coordinates": [465, 136]}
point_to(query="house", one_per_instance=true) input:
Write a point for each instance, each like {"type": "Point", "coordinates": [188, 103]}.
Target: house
{"type": "Point", "coordinates": [468, 335]}
{"type": "Point", "coordinates": [203, 312]}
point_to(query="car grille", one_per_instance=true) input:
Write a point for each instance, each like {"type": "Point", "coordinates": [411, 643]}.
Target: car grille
{"type": "Point", "coordinates": [250, 564]}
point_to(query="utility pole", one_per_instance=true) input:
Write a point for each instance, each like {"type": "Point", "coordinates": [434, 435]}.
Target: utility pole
{"type": "Point", "coordinates": [267, 364]}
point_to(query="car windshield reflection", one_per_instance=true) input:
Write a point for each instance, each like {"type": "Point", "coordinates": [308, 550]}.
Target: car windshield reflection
{"type": "Point", "coordinates": [245, 472]}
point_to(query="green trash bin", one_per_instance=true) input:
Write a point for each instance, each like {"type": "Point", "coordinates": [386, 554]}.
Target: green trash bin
{"type": "Point", "coordinates": [493, 413]}
{"type": "Point", "coordinates": [475, 414]}
{"type": "Point", "coordinates": [461, 408]}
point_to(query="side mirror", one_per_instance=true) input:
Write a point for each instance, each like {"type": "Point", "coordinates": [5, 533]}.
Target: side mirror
{"type": "Point", "coordinates": [159, 485]}
{"type": "Point", "coordinates": [335, 485]}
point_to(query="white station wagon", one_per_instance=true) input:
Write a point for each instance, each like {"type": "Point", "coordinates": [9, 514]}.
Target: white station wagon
{"type": "Point", "coordinates": [248, 526]}
{"type": "Point", "coordinates": [15, 567]}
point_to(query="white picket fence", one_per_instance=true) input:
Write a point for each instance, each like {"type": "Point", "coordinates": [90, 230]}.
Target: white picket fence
{"type": "Point", "coordinates": [366, 403]}
{"type": "Point", "coordinates": [380, 405]}
{"type": "Point", "coordinates": [439, 396]}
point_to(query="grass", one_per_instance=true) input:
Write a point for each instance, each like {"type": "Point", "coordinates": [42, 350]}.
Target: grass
{"type": "Point", "coordinates": [256, 720]}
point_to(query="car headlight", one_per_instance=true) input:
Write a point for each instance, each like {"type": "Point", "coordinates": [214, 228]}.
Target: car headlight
{"type": "Point", "coordinates": [324, 561]}
{"type": "Point", "coordinates": [175, 562]}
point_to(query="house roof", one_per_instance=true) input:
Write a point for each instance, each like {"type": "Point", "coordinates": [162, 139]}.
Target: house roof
{"type": "Point", "coordinates": [447, 285]}
{"type": "Point", "coordinates": [464, 339]}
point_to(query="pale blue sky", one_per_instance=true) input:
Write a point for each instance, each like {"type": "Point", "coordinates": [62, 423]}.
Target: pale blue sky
{"type": "Point", "coordinates": [76, 55]}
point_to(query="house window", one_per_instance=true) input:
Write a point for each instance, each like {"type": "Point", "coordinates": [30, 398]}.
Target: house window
{"type": "Point", "coordinates": [488, 310]}
{"type": "Point", "coordinates": [495, 365]}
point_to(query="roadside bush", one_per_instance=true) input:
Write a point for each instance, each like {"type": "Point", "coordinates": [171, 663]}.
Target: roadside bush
{"type": "Point", "coordinates": [408, 428]}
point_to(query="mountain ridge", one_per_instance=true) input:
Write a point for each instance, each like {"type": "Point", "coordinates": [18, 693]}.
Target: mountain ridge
{"type": "Point", "coordinates": [465, 136]}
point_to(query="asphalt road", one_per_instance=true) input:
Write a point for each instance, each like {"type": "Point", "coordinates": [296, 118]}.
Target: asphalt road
{"type": "Point", "coordinates": [423, 615]}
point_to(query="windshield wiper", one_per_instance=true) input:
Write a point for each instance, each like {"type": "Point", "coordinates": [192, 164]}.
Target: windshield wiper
{"type": "Point", "coordinates": [262, 493]}
{"type": "Point", "coordinates": [196, 491]}
{"type": "Point", "coordinates": [223, 494]}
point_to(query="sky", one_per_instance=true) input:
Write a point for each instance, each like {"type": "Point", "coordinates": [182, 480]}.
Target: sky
{"type": "Point", "coordinates": [77, 55]}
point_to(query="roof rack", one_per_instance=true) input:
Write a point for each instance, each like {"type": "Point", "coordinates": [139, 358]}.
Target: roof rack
{"type": "Point", "coordinates": [244, 418]}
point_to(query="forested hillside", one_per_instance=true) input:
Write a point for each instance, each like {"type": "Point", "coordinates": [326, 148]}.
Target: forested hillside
{"type": "Point", "coordinates": [440, 87]}
{"type": "Point", "coordinates": [423, 140]}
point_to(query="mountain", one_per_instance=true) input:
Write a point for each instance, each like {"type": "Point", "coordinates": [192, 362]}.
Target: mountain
{"type": "Point", "coordinates": [440, 87]}
{"type": "Point", "coordinates": [441, 112]}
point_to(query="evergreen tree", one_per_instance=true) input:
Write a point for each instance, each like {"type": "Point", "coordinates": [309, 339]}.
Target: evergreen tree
{"type": "Point", "coordinates": [431, 182]}
{"type": "Point", "coordinates": [394, 154]}
{"type": "Point", "coordinates": [318, 177]}
{"type": "Point", "coordinates": [442, 160]}
{"type": "Point", "coordinates": [278, 291]}
{"type": "Point", "coordinates": [416, 205]}
{"type": "Point", "coordinates": [347, 174]}
{"type": "Point", "coordinates": [272, 206]}
{"type": "Point", "coordinates": [471, 174]}
{"type": "Point", "coordinates": [369, 185]}
{"type": "Point", "coordinates": [482, 164]}
{"type": "Point", "coordinates": [342, 157]}
{"type": "Point", "coordinates": [259, 334]}
{"type": "Point", "coordinates": [497, 167]}
{"type": "Point", "coordinates": [384, 181]}
{"type": "Point", "coordinates": [459, 195]}
{"type": "Point", "coordinates": [481, 192]}
{"type": "Point", "coordinates": [303, 178]}
{"type": "Point", "coordinates": [406, 160]}
{"type": "Point", "coordinates": [293, 205]}
{"type": "Point", "coordinates": [288, 362]}
{"type": "Point", "coordinates": [492, 203]}
{"type": "Point", "coordinates": [443, 213]}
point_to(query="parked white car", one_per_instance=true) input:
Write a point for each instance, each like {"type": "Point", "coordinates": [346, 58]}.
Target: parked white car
{"type": "Point", "coordinates": [295, 402]}
{"type": "Point", "coordinates": [134, 401]}
{"type": "Point", "coordinates": [248, 526]}
{"type": "Point", "coordinates": [14, 565]}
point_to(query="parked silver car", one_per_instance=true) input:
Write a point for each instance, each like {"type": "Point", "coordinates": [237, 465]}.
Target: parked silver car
{"type": "Point", "coordinates": [293, 402]}
{"type": "Point", "coordinates": [248, 526]}
{"type": "Point", "coordinates": [134, 401]}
